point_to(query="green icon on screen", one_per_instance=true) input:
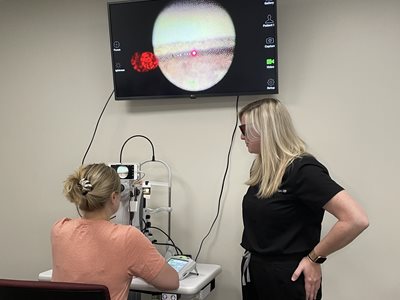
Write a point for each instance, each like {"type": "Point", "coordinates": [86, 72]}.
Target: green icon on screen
{"type": "Point", "coordinates": [270, 61]}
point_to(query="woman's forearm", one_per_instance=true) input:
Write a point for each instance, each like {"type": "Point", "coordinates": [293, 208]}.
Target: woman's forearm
{"type": "Point", "coordinates": [352, 220]}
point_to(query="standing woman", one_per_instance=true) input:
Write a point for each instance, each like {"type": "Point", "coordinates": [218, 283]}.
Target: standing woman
{"type": "Point", "coordinates": [91, 249]}
{"type": "Point", "coordinates": [289, 191]}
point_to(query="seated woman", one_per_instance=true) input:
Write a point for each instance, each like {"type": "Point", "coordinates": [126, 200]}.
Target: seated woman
{"type": "Point", "coordinates": [91, 249]}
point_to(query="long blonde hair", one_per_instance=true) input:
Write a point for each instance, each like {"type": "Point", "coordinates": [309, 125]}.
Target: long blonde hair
{"type": "Point", "coordinates": [269, 120]}
{"type": "Point", "coordinates": [91, 186]}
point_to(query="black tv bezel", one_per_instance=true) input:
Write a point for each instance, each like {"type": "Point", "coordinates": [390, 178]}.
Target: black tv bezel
{"type": "Point", "coordinates": [186, 94]}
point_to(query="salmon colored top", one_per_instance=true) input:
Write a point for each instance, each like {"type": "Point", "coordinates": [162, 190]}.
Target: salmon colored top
{"type": "Point", "coordinates": [101, 252]}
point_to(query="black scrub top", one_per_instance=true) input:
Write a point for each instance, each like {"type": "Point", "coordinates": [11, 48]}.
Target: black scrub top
{"type": "Point", "coordinates": [288, 222]}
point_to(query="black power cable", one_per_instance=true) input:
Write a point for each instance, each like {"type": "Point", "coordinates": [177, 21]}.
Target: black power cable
{"type": "Point", "coordinates": [134, 136]}
{"type": "Point", "coordinates": [95, 129]}
{"type": "Point", "coordinates": [223, 180]}
{"type": "Point", "coordinates": [179, 251]}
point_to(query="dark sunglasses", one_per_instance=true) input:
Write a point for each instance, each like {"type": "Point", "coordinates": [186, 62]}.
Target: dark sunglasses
{"type": "Point", "coordinates": [243, 129]}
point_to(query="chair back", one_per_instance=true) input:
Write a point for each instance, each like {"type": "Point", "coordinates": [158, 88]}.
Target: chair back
{"type": "Point", "coordinates": [11, 289]}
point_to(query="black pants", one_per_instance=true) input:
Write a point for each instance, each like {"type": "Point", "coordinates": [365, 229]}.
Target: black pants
{"type": "Point", "coordinates": [270, 279]}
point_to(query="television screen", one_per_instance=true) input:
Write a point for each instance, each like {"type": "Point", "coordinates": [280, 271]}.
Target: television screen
{"type": "Point", "coordinates": [193, 48]}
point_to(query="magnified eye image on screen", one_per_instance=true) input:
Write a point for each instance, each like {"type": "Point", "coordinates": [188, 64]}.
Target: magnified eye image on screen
{"type": "Point", "coordinates": [194, 43]}
{"type": "Point", "coordinates": [122, 172]}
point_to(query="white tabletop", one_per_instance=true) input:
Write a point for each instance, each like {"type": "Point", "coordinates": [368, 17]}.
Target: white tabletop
{"type": "Point", "coordinates": [191, 285]}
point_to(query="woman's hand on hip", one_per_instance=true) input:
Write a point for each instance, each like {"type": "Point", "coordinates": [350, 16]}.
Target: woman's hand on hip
{"type": "Point", "coordinates": [312, 277]}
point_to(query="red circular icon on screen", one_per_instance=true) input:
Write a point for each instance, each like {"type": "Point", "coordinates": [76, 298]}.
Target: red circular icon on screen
{"type": "Point", "coordinates": [144, 62]}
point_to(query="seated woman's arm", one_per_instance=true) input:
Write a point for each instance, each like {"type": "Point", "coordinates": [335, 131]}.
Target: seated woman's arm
{"type": "Point", "coordinates": [167, 279]}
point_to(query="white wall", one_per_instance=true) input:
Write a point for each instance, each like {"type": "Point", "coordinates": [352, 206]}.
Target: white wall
{"type": "Point", "coordinates": [339, 63]}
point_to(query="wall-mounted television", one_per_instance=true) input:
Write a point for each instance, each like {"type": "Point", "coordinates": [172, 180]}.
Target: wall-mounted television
{"type": "Point", "coordinates": [193, 48]}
